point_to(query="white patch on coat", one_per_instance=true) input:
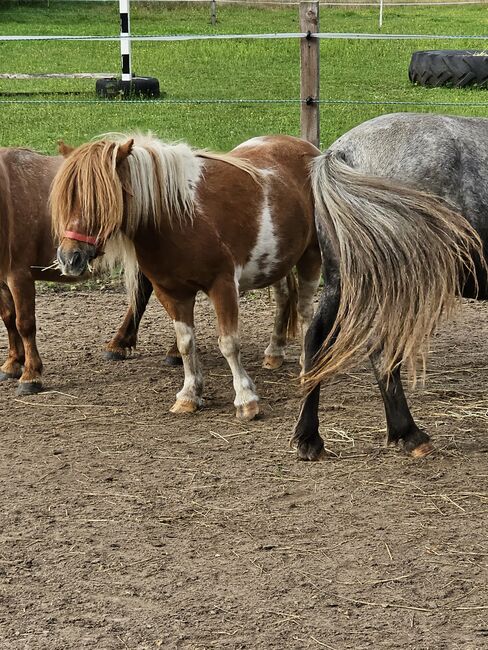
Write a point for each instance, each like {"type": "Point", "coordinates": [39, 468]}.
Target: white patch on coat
{"type": "Point", "coordinates": [253, 142]}
{"type": "Point", "coordinates": [193, 384]}
{"type": "Point", "coordinates": [264, 255]}
{"type": "Point", "coordinates": [244, 387]}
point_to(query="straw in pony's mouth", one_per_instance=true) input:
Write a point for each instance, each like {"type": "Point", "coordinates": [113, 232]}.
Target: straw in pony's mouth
{"type": "Point", "coordinates": [55, 266]}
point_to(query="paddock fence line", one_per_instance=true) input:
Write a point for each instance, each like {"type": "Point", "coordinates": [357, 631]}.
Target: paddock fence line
{"type": "Point", "coordinates": [310, 37]}
{"type": "Point", "coordinates": [270, 36]}
{"type": "Point", "coordinates": [285, 3]}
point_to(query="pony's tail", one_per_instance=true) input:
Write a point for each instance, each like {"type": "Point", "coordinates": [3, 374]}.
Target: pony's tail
{"type": "Point", "coordinates": [6, 222]}
{"type": "Point", "coordinates": [403, 258]}
{"type": "Point", "coordinates": [291, 308]}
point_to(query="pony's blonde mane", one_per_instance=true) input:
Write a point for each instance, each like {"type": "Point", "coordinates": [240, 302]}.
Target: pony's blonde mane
{"type": "Point", "coordinates": [156, 182]}
{"type": "Point", "coordinates": [159, 181]}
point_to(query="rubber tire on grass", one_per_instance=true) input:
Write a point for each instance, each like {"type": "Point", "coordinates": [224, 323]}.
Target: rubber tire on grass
{"type": "Point", "coordinates": [112, 88]}
{"type": "Point", "coordinates": [454, 68]}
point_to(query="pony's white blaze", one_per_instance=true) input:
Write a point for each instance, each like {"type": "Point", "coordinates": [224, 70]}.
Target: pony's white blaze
{"type": "Point", "coordinates": [264, 255]}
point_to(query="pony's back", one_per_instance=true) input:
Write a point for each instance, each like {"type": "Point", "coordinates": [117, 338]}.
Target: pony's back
{"type": "Point", "coordinates": [5, 220]}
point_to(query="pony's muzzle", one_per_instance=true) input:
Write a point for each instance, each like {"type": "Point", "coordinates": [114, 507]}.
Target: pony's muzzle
{"type": "Point", "coordinates": [74, 257]}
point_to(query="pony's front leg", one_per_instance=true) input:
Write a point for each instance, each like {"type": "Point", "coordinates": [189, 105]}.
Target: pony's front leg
{"type": "Point", "coordinates": [12, 368]}
{"type": "Point", "coordinates": [399, 421]}
{"type": "Point", "coordinates": [23, 292]}
{"type": "Point", "coordinates": [125, 340]}
{"type": "Point", "coordinates": [126, 337]}
{"type": "Point", "coordinates": [189, 399]}
{"type": "Point", "coordinates": [225, 298]}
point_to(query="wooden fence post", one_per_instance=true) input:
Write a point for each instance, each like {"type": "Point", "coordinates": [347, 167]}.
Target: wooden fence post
{"type": "Point", "coordinates": [213, 12]}
{"type": "Point", "coordinates": [309, 73]}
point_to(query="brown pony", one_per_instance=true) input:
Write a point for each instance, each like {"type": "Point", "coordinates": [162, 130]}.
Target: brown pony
{"type": "Point", "coordinates": [196, 221]}
{"type": "Point", "coordinates": [27, 251]}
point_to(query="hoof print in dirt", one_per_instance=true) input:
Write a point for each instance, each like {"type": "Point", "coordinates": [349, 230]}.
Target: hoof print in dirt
{"type": "Point", "coordinates": [454, 68]}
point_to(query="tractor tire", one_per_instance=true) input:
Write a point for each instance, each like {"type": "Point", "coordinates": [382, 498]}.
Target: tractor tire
{"type": "Point", "coordinates": [113, 88]}
{"type": "Point", "coordinates": [454, 68]}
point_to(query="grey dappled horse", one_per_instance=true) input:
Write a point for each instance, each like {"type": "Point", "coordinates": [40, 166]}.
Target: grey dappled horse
{"type": "Point", "coordinates": [437, 155]}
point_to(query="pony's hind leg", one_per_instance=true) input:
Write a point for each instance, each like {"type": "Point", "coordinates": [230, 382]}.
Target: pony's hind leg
{"type": "Point", "coordinates": [399, 420]}
{"type": "Point", "coordinates": [12, 368]}
{"type": "Point", "coordinates": [306, 435]}
{"type": "Point", "coordinates": [308, 269]}
{"type": "Point", "coordinates": [23, 292]}
{"type": "Point", "coordinates": [225, 300]}
{"type": "Point", "coordinates": [274, 355]}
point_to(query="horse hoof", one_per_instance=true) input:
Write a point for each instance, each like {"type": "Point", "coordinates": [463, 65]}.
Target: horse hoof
{"type": "Point", "coordinates": [29, 388]}
{"type": "Point", "coordinates": [248, 411]}
{"type": "Point", "coordinates": [425, 449]}
{"type": "Point", "coordinates": [112, 355]}
{"type": "Point", "coordinates": [311, 450]}
{"type": "Point", "coordinates": [272, 362]}
{"type": "Point", "coordinates": [184, 406]}
{"type": "Point", "coordinates": [4, 376]}
{"type": "Point", "coordinates": [173, 360]}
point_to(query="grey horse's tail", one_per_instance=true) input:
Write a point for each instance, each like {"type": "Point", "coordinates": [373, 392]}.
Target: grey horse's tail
{"type": "Point", "coordinates": [403, 258]}
{"type": "Point", "coordinates": [5, 221]}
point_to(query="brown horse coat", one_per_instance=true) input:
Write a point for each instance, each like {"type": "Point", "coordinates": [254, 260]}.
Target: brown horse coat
{"type": "Point", "coordinates": [197, 221]}
{"type": "Point", "coordinates": [27, 251]}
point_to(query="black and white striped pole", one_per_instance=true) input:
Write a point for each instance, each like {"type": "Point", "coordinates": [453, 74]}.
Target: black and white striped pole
{"type": "Point", "coordinates": [128, 85]}
{"type": "Point", "coordinates": [125, 41]}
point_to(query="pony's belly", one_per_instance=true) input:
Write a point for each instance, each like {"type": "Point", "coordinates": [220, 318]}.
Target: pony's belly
{"type": "Point", "coordinates": [251, 277]}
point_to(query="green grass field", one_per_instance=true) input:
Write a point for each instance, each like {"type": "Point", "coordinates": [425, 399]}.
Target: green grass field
{"type": "Point", "coordinates": [36, 113]}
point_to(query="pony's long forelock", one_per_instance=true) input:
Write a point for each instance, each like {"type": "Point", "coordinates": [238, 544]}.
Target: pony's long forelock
{"type": "Point", "coordinates": [159, 181]}
{"type": "Point", "coordinates": [403, 257]}
{"type": "Point", "coordinates": [88, 176]}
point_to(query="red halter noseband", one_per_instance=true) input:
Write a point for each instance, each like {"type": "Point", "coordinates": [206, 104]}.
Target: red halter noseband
{"type": "Point", "coordinates": [87, 239]}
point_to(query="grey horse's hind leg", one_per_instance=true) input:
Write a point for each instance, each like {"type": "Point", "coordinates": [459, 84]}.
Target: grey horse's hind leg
{"type": "Point", "coordinates": [399, 420]}
{"type": "Point", "coordinates": [306, 435]}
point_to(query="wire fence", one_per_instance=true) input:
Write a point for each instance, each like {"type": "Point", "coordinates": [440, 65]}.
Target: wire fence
{"type": "Point", "coordinates": [270, 36]}
{"type": "Point", "coordinates": [284, 3]}
{"type": "Point", "coordinates": [230, 37]}
{"type": "Point", "coordinates": [196, 102]}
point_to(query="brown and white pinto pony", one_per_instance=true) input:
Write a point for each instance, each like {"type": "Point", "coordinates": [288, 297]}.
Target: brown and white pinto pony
{"type": "Point", "coordinates": [197, 221]}
{"type": "Point", "coordinates": [27, 251]}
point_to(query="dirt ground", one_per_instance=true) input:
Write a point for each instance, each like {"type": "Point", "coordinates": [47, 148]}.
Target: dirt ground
{"type": "Point", "coordinates": [123, 526]}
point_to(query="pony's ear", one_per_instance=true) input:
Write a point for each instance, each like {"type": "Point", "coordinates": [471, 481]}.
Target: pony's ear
{"type": "Point", "coordinates": [124, 151]}
{"type": "Point", "coordinates": [64, 149]}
